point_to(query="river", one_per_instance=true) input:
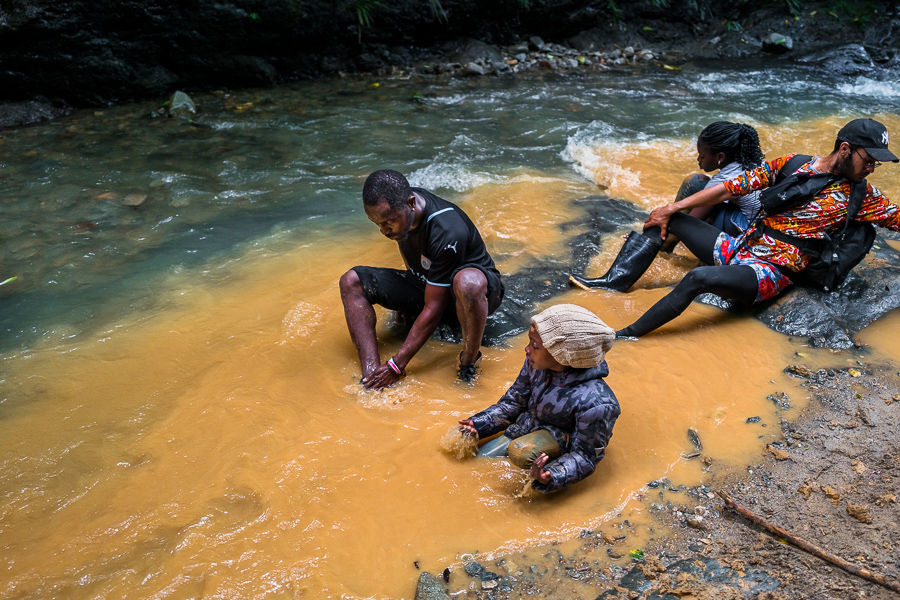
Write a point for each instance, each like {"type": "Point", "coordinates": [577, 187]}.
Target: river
{"type": "Point", "coordinates": [179, 407]}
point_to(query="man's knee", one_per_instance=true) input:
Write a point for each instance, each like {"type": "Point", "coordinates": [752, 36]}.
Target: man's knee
{"type": "Point", "coordinates": [470, 284]}
{"type": "Point", "coordinates": [350, 282]}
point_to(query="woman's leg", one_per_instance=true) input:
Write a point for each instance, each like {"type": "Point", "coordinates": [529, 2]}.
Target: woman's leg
{"type": "Point", "coordinates": [735, 282]}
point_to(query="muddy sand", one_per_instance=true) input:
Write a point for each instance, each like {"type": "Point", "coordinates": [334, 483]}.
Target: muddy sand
{"type": "Point", "coordinates": [830, 478]}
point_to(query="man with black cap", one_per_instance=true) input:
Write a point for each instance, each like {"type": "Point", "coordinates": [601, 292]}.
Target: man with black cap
{"type": "Point", "coordinates": [762, 263]}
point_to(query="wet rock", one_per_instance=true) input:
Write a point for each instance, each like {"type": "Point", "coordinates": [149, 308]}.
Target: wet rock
{"type": "Point", "coordinates": [603, 216]}
{"type": "Point", "coordinates": [429, 588]}
{"type": "Point", "coordinates": [753, 420]}
{"type": "Point", "coordinates": [180, 105]}
{"type": "Point", "coordinates": [679, 580]}
{"type": "Point", "coordinates": [473, 70]}
{"type": "Point", "coordinates": [537, 43]}
{"type": "Point", "coordinates": [475, 51]}
{"type": "Point", "coordinates": [849, 60]}
{"type": "Point", "coordinates": [695, 438]}
{"type": "Point", "coordinates": [474, 569]}
{"type": "Point", "coordinates": [860, 512]}
{"type": "Point", "coordinates": [799, 371]}
{"type": "Point", "coordinates": [17, 114]}
{"type": "Point", "coordinates": [780, 399]}
{"type": "Point", "coordinates": [777, 43]}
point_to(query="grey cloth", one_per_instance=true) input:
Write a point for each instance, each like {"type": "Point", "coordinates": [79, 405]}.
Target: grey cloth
{"type": "Point", "coordinates": [748, 204]}
{"type": "Point", "coordinates": [576, 406]}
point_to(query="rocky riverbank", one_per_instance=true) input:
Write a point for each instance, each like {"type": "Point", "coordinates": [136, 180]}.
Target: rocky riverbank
{"type": "Point", "coordinates": [831, 480]}
{"type": "Point", "coordinates": [54, 56]}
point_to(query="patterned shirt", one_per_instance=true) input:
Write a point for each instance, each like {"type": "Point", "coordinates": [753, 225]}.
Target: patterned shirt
{"type": "Point", "coordinates": [576, 406]}
{"type": "Point", "coordinates": [824, 214]}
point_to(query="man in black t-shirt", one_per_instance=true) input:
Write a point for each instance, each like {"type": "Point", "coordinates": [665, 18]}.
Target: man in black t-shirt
{"type": "Point", "coordinates": [449, 276]}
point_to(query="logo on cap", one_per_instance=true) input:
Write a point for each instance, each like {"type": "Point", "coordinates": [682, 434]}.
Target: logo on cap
{"type": "Point", "coordinates": [884, 138]}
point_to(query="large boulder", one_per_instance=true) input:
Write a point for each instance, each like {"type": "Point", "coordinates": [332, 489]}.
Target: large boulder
{"type": "Point", "coordinates": [847, 60]}
{"type": "Point", "coordinates": [829, 319]}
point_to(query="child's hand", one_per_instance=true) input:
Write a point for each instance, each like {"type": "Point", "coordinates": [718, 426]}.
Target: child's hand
{"type": "Point", "coordinates": [537, 469]}
{"type": "Point", "coordinates": [467, 426]}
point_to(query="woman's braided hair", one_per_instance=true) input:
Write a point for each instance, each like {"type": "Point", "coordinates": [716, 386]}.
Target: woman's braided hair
{"type": "Point", "coordinates": [738, 141]}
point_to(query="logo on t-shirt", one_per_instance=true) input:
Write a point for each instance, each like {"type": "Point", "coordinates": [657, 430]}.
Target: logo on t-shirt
{"type": "Point", "coordinates": [451, 246]}
{"type": "Point", "coordinates": [426, 262]}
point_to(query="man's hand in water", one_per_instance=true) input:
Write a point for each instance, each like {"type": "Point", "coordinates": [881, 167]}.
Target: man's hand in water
{"type": "Point", "coordinates": [382, 377]}
{"type": "Point", "coordinates": [659, 217]}
{"type": "Point", "coordinates": [537, 469]}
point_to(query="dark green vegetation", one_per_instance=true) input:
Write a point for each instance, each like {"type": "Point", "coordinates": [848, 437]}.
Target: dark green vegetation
{"type": "Point", "coordinates": [91, 52]}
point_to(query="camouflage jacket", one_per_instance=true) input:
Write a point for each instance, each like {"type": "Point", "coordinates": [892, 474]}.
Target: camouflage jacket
{"type": "Point", "coordinates": [575, 406]}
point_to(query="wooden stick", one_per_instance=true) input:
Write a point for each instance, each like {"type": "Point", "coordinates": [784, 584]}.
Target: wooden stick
{"type": "Point", "coordinates": [809, 547]}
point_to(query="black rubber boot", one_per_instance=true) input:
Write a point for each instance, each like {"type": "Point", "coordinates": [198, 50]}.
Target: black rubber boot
{"type": "Point", "coordinates": [634, 258]}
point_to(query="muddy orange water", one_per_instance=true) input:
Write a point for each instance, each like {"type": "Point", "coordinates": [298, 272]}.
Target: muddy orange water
{"type": "Point", "coordinates": [221, 447]}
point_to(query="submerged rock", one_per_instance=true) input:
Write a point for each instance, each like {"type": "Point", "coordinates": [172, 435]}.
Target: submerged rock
{"type": "Point", "coordinates": [17, 114]}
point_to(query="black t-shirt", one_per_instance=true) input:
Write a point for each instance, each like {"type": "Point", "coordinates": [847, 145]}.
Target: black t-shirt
{"type": "Point", "coordinates": [445, 240]}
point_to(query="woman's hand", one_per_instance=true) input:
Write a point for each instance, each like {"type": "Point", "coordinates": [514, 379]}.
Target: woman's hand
{"type": "Point", "coordinates": [537, 469]}
{"type": "Point", "coordinates": [467, 426]}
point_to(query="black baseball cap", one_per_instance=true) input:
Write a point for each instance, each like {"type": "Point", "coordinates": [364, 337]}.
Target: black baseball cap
{"type": "Point", "coordinates": [871, 136]}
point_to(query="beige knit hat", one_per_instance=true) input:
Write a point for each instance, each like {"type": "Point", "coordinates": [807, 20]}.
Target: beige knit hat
{"type": "Point", "coordinates": [573, 335]}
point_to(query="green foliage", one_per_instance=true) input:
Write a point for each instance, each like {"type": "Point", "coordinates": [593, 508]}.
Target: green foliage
{"type": "Point", "coordinates": [794, 6]}
{"type": "Point", "coordinates": [437, 11]}
{"type": "Point", "coordinates": [615, 11]}
{"type": "Point", "coordinates": [858, 11]}
{"type": "Point", "coordinates": [733, 25]}
{"type": "Point", "coordinates": [363, 10]}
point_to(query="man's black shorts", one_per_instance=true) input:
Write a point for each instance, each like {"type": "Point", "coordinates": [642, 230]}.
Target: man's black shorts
{"type": "Point", "coordinates": [403, 291]}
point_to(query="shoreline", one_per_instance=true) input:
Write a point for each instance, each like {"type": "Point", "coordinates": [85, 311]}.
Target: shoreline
{"type": "Point", "coordinates": [831, 479]}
